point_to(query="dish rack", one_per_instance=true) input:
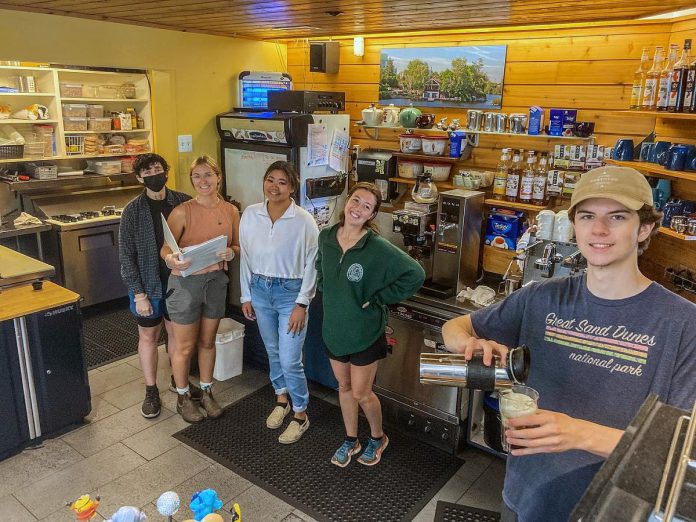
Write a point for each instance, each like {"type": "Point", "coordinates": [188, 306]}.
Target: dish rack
{"type": "Point", "coordinates": [74, 145]}
{"type": "Point", "coordinates": [682, 278]}
{"type": "Point", "coordinates": [11, 151]}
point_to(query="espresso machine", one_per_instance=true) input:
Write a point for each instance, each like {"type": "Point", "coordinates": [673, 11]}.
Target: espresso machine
{"type": "Point", "coordinates": [445, 237]}
{"type": "Point", "coordinates": [547, 258]}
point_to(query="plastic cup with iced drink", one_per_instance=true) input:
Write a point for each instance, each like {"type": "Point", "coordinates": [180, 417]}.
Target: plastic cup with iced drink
{"type": "Point", "coordinates": [518, 401]}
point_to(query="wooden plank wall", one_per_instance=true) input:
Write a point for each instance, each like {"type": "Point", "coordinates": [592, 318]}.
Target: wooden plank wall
{"type": "Point", "coordinates": [589, 68]}
{"type": "Point", "coordinates": [586, 68]}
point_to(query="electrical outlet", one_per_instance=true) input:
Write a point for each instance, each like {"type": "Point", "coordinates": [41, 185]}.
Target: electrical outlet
{"type": "Point", "coordinates": [185, 143]}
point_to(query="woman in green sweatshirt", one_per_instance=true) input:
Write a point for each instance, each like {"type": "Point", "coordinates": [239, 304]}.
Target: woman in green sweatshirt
{"type": "Point", "coordinates": [360, 273]}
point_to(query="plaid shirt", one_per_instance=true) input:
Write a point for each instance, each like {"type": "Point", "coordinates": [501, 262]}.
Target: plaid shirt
{"type": "Point", "coordinates": [137, 245]}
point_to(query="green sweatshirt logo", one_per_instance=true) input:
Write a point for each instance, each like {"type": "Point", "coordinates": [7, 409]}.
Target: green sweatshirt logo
{"type": "Point", "coordinates": [355, 272]}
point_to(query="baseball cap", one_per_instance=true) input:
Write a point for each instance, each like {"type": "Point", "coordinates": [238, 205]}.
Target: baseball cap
{"type": "Point", "coordinates": [622, 184]}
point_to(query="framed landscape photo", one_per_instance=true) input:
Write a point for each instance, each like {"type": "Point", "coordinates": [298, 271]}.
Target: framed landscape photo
{"type": "Point", "coordinates": [463, 77]}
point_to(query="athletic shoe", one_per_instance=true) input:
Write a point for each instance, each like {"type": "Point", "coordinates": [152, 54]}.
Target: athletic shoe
{"type": "Point", "coordinates": [275, 419]}
{"type": "Point", "coordinates": [343, 454]}
{"type": "Point", "coordinates": [294, 431]}
{"type": "Point", "coordinates": [152, 406]}
{"type": "Point", "coordinates": [374, 451]}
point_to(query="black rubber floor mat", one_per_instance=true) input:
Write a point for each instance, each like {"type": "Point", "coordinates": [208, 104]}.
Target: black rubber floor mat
{"type": "Point", "coordinates": [396, 489]}
{"type": "Point", "coordinates": [448, 512]}
{"type": "Point", "coordinates": [110, 333]}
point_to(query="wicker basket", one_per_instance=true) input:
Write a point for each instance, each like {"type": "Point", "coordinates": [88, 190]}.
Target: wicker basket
{"type": "Point", "coordinates": [11, 151]}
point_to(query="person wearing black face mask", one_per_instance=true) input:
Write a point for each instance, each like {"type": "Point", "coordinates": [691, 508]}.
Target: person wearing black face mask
{"type": "Point", "coordinates": [143, 271]}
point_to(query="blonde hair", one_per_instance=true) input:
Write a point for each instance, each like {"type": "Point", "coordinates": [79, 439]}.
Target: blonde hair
{"type": "Point", "coordinates": [372, 189]}
{"type": "Point", "coordinates": [210, 162]}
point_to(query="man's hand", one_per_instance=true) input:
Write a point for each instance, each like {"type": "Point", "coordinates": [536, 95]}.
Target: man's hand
{"type": "Point", "coordinates": [143, 307]}
{"type": "Point", "coordinates": [248, 311]}
{"type": "Point", "coordinates": [552, 432]}
{"type": "Point", "coordinates": [471, 345]}
{"type": "Point", "coordinates": [296, 323]}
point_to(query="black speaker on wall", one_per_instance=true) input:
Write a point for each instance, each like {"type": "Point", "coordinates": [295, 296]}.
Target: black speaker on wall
{"type": "Point", "coordinates": [323, 57]}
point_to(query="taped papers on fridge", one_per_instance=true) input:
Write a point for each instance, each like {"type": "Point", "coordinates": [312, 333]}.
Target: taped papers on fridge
{"type": "Point", "coordinates": [317, 145]}
{"type": "Point", "coordinates": [201, 255]}
{"type": "Point", "coordinates": [339, 150]}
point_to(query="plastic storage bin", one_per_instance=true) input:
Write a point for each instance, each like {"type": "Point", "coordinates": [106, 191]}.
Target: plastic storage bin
{"type": "Point", "coordinates": [95, 111]}
{"type": "Point", "coordinates": [99, 124]}
{"type": "Point", "coordinates": [42, 171]}
{"type": "Point", "coordinates": [229, 345]}
{"type": "Point", "coordinates": [104, 167]}
{"type": "Point", "coordinates": [71, 90]}
{"type": "Point", "coordinates": [75, 110]}
{"type": "Point", "coordinates": [75, 124]}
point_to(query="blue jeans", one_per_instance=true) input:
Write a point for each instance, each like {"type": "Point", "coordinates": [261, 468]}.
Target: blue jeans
{"type": "Point", "coordinates": [273, 300]}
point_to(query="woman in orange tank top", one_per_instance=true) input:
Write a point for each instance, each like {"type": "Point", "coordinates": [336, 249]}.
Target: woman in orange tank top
{"type": "Point", "coordinates": [197, 302]}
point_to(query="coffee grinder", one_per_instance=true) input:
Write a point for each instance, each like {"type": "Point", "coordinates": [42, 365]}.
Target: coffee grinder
{"type": "Point", "coordinates": [457, 243]}
{"type": "Point", "coordinates": [416, 223]}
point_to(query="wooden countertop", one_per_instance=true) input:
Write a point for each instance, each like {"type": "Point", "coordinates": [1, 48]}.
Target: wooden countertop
{"type": "Point", "coordinates": [24, 300]}
{"type": "Point", "coordinates": [16, 267]}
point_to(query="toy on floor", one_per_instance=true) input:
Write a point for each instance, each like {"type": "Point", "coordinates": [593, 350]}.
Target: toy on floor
{"type": "Point", "coordinates": [84, 507]}
{"type": "Point", "coordinates": [168, 504]}
{"type": "Point", "coordinates": [236, 513]}
{"type": "Point", "coordinates": [128, 514]}
{"type": "Point", "coordinates": [204, 503]}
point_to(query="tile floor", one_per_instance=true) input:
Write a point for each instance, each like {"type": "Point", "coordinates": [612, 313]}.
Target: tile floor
{"type": "Point", "coordinates": [130, 460]}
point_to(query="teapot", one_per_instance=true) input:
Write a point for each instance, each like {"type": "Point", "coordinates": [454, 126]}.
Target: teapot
{"type": "Point", "coordinates": [407, 117]}
{"type": "Point", "coordinates": [425, 190]}
{"type": "Point", "coordinates": [391, 115]}
{"type": "Point", "coordinates": [425, 121]}
{"type": "Point", "coordinates": [372, 116]}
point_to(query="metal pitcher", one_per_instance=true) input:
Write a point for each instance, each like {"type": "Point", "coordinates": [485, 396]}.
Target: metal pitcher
{"type": "Point", "coordinates": [500, 122]}
{"type": "Point", "coordinates": [489, 121]}
{"type": "Point", "coordinates": [518, 123]}
{"type": "Point", "coordinates": [452, 369]}
{"type": "Point", "coordinates": [474, 119]}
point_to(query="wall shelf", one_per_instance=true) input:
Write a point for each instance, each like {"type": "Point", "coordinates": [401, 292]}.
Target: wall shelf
{"type": "Point", "coordinates": [514, 205]}
{"type": "Point", "coordinates": [656, 169]}
{"type": "Point", "coordinates": [104, 100]}
{"type": "Point", "coordinates": [14, 121]}
{"type": "Point", "coordinates": [441, 185]}
{"type": "Point", "coordinates": [426, 157]}
{"type": "Point", "coordinates": [73, 156]}
{"type": "Point", "coordinates": [27, 94]}
{"type": "Point", "coordinates": [669, 232]}
{"type": "Point", "coordinates": [112, 131]}
{"type": "Point", "coordinates": [659, 114]}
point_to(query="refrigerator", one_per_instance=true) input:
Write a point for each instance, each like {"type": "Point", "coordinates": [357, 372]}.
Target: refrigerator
{"type": "Point", "coordinates": [250, 142]}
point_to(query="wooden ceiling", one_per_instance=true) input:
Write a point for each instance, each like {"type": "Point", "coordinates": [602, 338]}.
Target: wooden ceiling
{"type": "Point", "coordinates": [290, 19]}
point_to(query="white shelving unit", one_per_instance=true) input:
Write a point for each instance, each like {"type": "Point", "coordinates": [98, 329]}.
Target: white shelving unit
{"type": "Point", "coordinates": [97, 87]}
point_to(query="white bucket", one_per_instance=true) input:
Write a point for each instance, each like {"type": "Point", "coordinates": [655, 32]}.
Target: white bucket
{"type": "Point", "coordinates": [229, 346]}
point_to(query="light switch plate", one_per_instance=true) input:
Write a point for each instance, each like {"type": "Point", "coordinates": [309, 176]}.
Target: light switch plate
{"type": "Point", "coordinates": [185, 143]}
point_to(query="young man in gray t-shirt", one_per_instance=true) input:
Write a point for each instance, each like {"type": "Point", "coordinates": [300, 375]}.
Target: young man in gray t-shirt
{"type": "Point", "coordinates": [600, 344]}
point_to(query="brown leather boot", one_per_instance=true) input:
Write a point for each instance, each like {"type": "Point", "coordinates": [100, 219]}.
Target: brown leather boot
{"type": "Point", "coordinates": [210, 405]}
{"type": "Point", "coordinates": [188, 409]}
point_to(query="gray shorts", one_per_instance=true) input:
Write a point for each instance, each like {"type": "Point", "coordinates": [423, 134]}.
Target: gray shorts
{"type": "Point", "coordinates": [196, 296]}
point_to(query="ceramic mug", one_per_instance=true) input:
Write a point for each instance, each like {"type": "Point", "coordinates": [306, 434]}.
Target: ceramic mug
{"type": "Point", "coordinates": [658, 153]}
{"type": "Point", "coordinates": [658, 198]}
{"type": "Point", "coordinates": [645, 149]}
{"type": "Point", "coordinates": [623, 150]}
{"type": "Point", "coordinates": [583, 129]}
{"type": "Point", "coordinates": [676, 157]}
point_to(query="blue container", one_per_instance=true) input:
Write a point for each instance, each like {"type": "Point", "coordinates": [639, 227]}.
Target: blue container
{"type": "Point", "coordinates": [456, 139]}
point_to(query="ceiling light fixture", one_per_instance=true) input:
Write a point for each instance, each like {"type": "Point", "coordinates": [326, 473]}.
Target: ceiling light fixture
{"type": "Point", "coordinates": [670, 15]}
{"type": "Point", "coordinates": [294, 28]}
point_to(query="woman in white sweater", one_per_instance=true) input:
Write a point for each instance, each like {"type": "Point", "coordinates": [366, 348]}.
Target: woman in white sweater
{"type": "Point", "coordinates": [278, 241]}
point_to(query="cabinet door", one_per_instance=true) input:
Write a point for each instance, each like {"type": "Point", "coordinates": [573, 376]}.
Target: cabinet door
{"type": "Point", "coordinates": [60, 374]}
{"type": "Point", "coordinates": [13, 428]}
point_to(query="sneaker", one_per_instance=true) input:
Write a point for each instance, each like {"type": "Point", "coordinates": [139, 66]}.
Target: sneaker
{"type": "Point", "coordinates": [210, 405]}
{"type": "Point", "coordinates": [343, 454]}
{"type": "Point", "coordinates": [152, 406]}
{"type": "Point", "coordinates": [275, 419]}
{"type": "Point", "coordinates": [374, 451]}
{"type": "Point", "coordinates": [195, 391]}
{"type": "Point", "coordinates": [188, 410]}
{"type": "Point", "coordinates": [294, 431]}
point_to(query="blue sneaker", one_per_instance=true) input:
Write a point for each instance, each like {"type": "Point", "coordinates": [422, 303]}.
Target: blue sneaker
{"type": "Point", "coordinates": [342, 456]}
{"type": "Point", "coordinates": [374, 451]}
